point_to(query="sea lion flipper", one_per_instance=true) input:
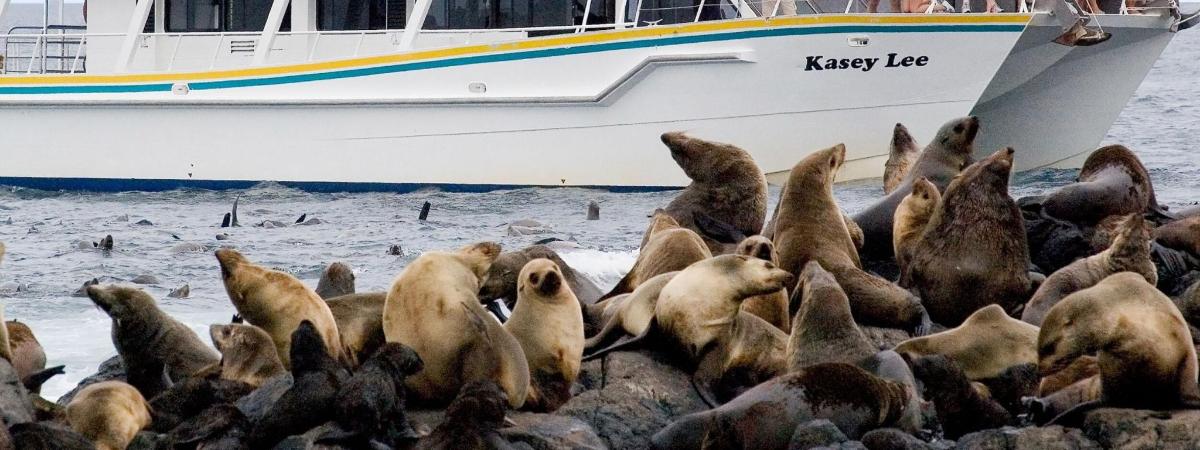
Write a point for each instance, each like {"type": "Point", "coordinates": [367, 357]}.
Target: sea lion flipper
{"type": "Point", "coordinates": [623, 286]}
{"type": "Point", "coordinates": [707, 374]}
{"type": "Point", "coordinates": [717, 230]}
{"type": "Point", "coordinates": [650, 329]}
{"type": "Point", "coordinates": [602, 337]}
{"type": "Point", "coordinates": [34, 381]}
{"type": "Point", "coordinates": [1074, 417]}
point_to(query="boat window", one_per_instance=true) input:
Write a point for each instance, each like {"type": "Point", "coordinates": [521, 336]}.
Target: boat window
{"type": "Point", "coordinates": [481, 14]}
{"type": "Point", "coordinates": [221, 15]}
{"type": "Point", "coordinates": [360, 14]}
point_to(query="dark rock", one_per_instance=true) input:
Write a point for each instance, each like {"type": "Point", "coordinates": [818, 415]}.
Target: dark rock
{"type": "Point", "coordinates": [638, 396]}
{"type": "Point", "coordinates": [1030, 438]}
{"type": "Point", "coordinates": [145, 279]}
{"type": "Point", "coordinates": [147, 440]}
{"type": "Point", "coordinates": [256, 404]}
{"type": "Point", "coordinates": [111, 369]}
{"type": "Point", "coordinates": [818, 433]}
{"type": "Point", "coordinates": [1130, 428]}
{"type": "Point", "coordinates": [848, 445]}
{"type": "Point", "coordinates": [223, 237]}
{"type": "Point", "coordinates": [1054, 243]}
{"type": "Point", "coordinates": [144, 222]}
{"type": "Point", "coordinates": [593, 212]}
{"type": "Point", "coordinates": [184, 291]}
{"type": "Point", "coordinates": [894, 439]}
{"type": "Point", "coordinates": [15, 405]}
{"type": "Point", "coordinates": [551, 432]}
{"type": "Point", "coordinates": [47, 436]}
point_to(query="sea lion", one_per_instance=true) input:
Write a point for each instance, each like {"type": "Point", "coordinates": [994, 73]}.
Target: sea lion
{"type": "Point", "coordinates": [824, 330]}
{"type": "Point", "coordinates": [109, 414]}
{"type": "Point", "coordinates": [630, 313]}
{"type": "Point", "coordinates": [670, 247]}
{"type": "Point", "coordinates": [502, 276]}
{"type": "Point", "coordinates": [311, 400]}
{"type": "Point", "coordinates": [1080, 369]}
{"type": "Point", "coordinates": [149, 340]}
{"type": "Point", "coordinates": [5, 345]}
{"type": "Point", "coordinates": [432, 307]}
{"type": "Point", "coordinates": [772, 308]}
{"type": "Point", "coordinates": [336, 281]}
{"type": "Point", "coordinates": [765, 416]}
{"type": "Point", "coordinates": [973, 252]}
{"type": "Point", "coordinates": [960, 408]}
{"type": "Point", "coordinates": [752, 352]}
{"type": "Point", "coordinates": [247, 353]}
{"type": "Point", "coordinates": [1112, 181]}
{"type": "Point", "coordinates": [219, 427]}
{"type": "Point", "coordinates": [1145, 351]}
{"type": "Point", "coordinates": [1130, 252]}
{"type": "Point", "coordinates": [809, 227]}
{"type": "Point", "coordinates": [902, 153]}
{"type": "Point", "coordinates": [911, 217]}
{"type": "Point", "coordinates": [549, 325]}
{"type": "Point", "coordinates": [472, 420]}
{"type": "Point", "coordinates": [1183, 234]}
{"type": "Point", "coordinates": [48, 436]}
{"type": "Point", "coordinates": [28, 356]}
{"type": "Point", "coordinates": [985, 344]}
{"type": "Point", "coordinates": [370, 405]}
{"type": "Point", "coordinates": [946, 155]}
{"type": "Point", "coordinates": [359, 319]}
{"type": "Point", "coordinates": [276, 302]}
{"type": "Point", "coordinates": [191, 397]}
{"type": "Point", "coordinates": [727, 187]}
{"type": "Point", "coordinates": [1043, 409]}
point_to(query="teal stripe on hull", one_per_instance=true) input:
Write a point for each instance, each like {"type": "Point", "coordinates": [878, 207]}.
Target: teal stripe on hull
{"type": "Point", "coordinates": [513, 56]}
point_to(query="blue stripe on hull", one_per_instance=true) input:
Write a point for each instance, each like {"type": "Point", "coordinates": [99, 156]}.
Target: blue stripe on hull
{"type": "Point", "coordinates": [125, 185]}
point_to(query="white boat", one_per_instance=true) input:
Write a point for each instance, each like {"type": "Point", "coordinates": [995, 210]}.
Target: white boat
{"type": "Point", "coordinates": [159, 101]}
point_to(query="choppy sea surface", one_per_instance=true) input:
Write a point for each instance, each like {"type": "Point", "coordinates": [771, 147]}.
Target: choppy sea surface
{"type": "Point", "coordinates": [44, 231]}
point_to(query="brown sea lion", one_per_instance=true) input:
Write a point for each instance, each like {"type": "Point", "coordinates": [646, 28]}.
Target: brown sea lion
{"type": "Point", "coordinates": [336, 281]}
{"type": "Point", "coordinates": [433, 308]}
{"type": "Point", "coordinates": [911, 217]}
{"type": "Point", "coordinates": [359, 319]}
{"type": "Point", "coordinates": [149, 340]}
{"type": "Point", "coordinates": [472, 421]}
{"type": "Point", "coordinates": [985, 344]}
{"type": "Point", "coordinates": [670, 248]}
{"type": "Point", "coordinates": [960, 408]}
{"type": "Point", "coordinates": [549, 325]}
{"type": "Point", "coordinates": [752, 352]}
{"type": "Point", "coordinates": [973, 252]}
{"type": "Point", "coordinates": [1130, 252]}
{"type": "Point", "coordinates": [772, 308]}
{"type": "Point", "coordinates": [370, 405]}
{"type": "Point", "coordinates": [247, 353]}
{"type": "Point", "coordinates": [765, 417]}
{"type": "Point", "coordinates": [311, 400]}
{"type": "Point", "coordinates": [1043, 409]}
{"type": "Point", "coordinates": [1111, 182]}
{"type": "Point", "coordinates": [809, 227]}
{"type": "Point", "coordinates": [1082, 368]}
{"type": "Point", "coordinates": [824, 330]}
{"type": "Point", "coordinates": [109, 414]}
{"type": "Point", "coordinates": [276, 302]}
{"type": "Point", "coordinates": [1183, 234]}
{"type": "Point", "coordinates": [502, 276]}
{"type": "Point", "coordinates": [727, 187]}
{"type": "Point", "coordinates": [902, 154]}
{"type": "Point", "coordinates": [946, 155]}
{"type": "Point", "coordinates": [28, 356]}
{"type": "Point", "coordinates": [1145, 351]}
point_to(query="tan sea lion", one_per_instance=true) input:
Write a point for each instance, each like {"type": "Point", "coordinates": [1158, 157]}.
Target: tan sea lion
{"type": "Point", "coordinates": [247, 353]}
{"type": "Point", "coordinates": [911, 217]}
{"type": "Point", "coordinates": [727, 187]}
{"type": "Point", "coordinates": [108, 413]}
{"type": "Point", "coordinates": [772, 308]}
{"type": "Point", "coordinates": [1183, 234]}
{"type": "Point", "coordinates": [902, 154]}
{"type": "Point", "coordinates": [752, 352]}
{"type": "Point", "coordinates": [276, 302]}
{"type": "Point", "coordinates": [670, 248]}
{"type": "Point", "coordinates": [1130, 252]}
{"type": "Point", "coordinates": [1111, 182]}
{"type": "Point", "coordinates": [629, 314]}
{"type": "Point", "coordinates": [548, 323]}
{"type": "Point", "coordinates": [986, 344]}
{"type": "Point", "coordinates": [1082, 368]}
{"type": "Point", "coordinates": [149, 340]}
{"type": "Point", "coordinates": [432, 307]}
{"type": "Point", "coordinates": [946, 155]}
{"type": "Point", "coordinates": [5, 345]}
{"type": "Point", "coordinates": [336, 281]}
{"type": "Point", "coordinates": [1146, 356]}
{"type": "Point", "coordinates": [824, 330]}
{"type": "Point", "coordinates": [359, 320]}
{"type": "Point", "coordinates": [765, 416]}
{"type": "Point", "coordinates": [810, 227]}
{"type": "Point", "coordinates": [28, 356]}
{"type": "Point", "coordinates": [973, 252]}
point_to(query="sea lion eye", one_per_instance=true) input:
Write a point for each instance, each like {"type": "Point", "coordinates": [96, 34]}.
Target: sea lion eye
{"type": "Point", "coordinates": [958, 129]}
{"type": "Point", "coordinates": [533, 278]}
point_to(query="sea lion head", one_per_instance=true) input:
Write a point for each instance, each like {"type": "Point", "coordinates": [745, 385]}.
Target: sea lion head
{"type": "Point", "coordinates": [755, 276]}
{"type": "Point", "coordinates": [991, 173]}
{"type": "Point", "coordinates": [541, 279]}
{"type": "Point", "coordinates": [121, 302]}
{"type": "Point", "coordinates": [1132, 240]}
{"type": "Point", "coordinates": [502, 277]}
{"type": "Point", "coordinates": [479, 257]}
{"type": "Point", "coordinates": [925, 192]}
{"type": "Point", "coordinates": [337, 280]}
{"type": "Point", "coordinates": [1065, 334]}
{"type": "Point", "coordinates": [758, 247]}
{"type": "Point", "coordinates": [958, 136]}
{"type": "Point", "coordinates": [703, 160]}
{"type": "Point", "coordinates": [901, 137]}
{"type": "Point", "coordinates": [228, 337]}
{"type": "Point", "coordinates": [399, 359]}
{"type": "Point", "coordinates": [308, 352]}
{"type": "Point", "coordinates": [818, 170]}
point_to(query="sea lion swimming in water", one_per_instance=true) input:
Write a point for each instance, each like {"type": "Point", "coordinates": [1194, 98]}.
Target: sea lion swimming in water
{"type": "Point", "coordinates": [946, 155]}
{"type": "Point", "coordinates": [1111, 182]}
{"type": "Point", "coordinates": [973, 252]}
{"type": "Point", "coordinates": [902, 154]}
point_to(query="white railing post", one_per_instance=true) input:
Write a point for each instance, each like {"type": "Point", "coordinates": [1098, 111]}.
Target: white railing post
{"type": "Point", "coordinates": [416, 20]}
{"type": "Point", "coordinates": [587, 9]}
{"type": "Point", "coordinates": [274, 18]}
{"type": "Point", "coordinates": [313, 51]}
{"type": "Point", "coordinates": [78, 52]}
{"type": "Point", "coordinates": [33, 56]}
{"type": "Point", "coordinates": [637, 14]}
{"type": "Point", "coordinates": [216, 50]}
{"type": "Point", "coordinates": [141, 12]}
{"type": "Point", "coordinates": [699, 10]}
{"type": "Point", "coordinates": [618, 22]}
{"type": "Point", "coordinates": [174, 53]}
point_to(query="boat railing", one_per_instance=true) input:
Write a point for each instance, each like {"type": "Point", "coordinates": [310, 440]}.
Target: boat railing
{"type": "Point", "coordinates": [52, 49]}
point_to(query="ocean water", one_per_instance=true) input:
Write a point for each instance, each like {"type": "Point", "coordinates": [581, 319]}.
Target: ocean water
{"type": "Point", "coordinates": [45, 230]}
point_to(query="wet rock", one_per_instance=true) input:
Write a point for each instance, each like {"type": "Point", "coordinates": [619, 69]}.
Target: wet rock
{"type": "Point", "coordinates": [817, 433]}
{"type": "Point", "coordinates": [223, 237]}
{"type": "Point", "coordinates": [638, 396]}
{"type": "Point", "coordinates": [184, 291]}
{"type": "Point", "coordinates": [15, 406]}
{"type": "Point", "coordinates": [147, 440]}
{"type": "Point", "coordinates": [272, 224]}
{"type": "Point", "coordinates": [1030, 438]}
{"type": "Point", "coordinates": [896, 439]}
{"type": "Point", "coordinates": [144, 223]}
{"type": "Point", "coordinates": [551, 432]}
{"type": "Point", "coordinates": [145, 279]}
{"type": "Point", "coordinates": [527, 227]}
{"type": "Point", "coordinates": [256, 404]}
{"type": "Point", "coordinates": [313, 221]}
{"type": "Point", "coordinates": [189, 247]}
{"type": "Point", "coordinates": [1130, 428]}
{"type": "Point", "coordinates": [47, 436]}
{"type": "Point", "coordinates": [111, 369]}
{"type": "Point", "coordinates": [123, 218]}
